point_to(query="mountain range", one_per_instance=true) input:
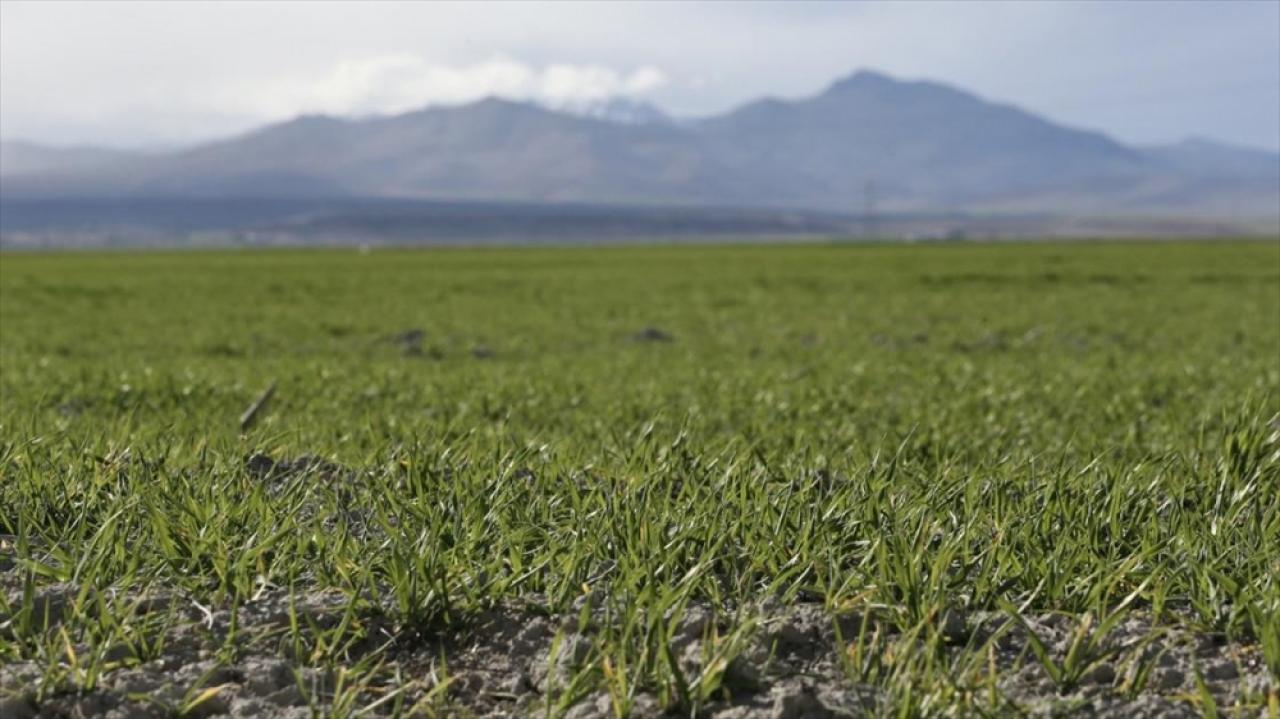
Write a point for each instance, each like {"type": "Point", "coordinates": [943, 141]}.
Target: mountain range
{"type": "Point", "coordinates": [868, 142]}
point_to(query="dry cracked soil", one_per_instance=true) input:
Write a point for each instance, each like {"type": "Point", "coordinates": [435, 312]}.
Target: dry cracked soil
{"type": "Point", "coordinates": [512, 659]}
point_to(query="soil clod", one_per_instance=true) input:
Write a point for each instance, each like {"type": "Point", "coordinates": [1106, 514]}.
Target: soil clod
{"type": "Point", "coordinates": [652, 334]}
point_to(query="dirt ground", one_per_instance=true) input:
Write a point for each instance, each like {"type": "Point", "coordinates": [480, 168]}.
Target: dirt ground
{"type": "Point", "coordinates": [508, 662]}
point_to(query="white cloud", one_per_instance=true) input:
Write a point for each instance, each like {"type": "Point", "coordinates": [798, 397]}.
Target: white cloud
{"type": "Point", "coordinates": [396, 83]}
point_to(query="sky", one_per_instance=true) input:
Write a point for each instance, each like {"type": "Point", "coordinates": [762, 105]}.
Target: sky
{"type": "Point", "coordinates": [154, 74]}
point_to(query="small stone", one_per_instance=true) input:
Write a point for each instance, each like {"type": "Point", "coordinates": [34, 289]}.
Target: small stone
{"type": "Point", "coordinates": [597, 705]}
{"type": "Point", "coordinates": [1102, 674]}
{"type": "Point", "coordinates": [1169, 679]}
{"type": "Point", "coordinates": [788, 633]}
{"type": "Point", "coordinates": [288, 697]}
{"type": "Point", "coordinates": [17, 708]}
{"type": "Point", "coordinates": [798, 701]}
{"type": "Point", "coordinates": [953, 627]}
{"type": "Point", "coordinates": [266, 676]}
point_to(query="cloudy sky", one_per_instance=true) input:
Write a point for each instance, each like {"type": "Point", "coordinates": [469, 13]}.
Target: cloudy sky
{"type": "Point", "coordinates": [153, 74]}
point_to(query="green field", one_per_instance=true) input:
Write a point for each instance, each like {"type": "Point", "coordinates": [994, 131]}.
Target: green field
{"type": "Point", "coordinates": [906, 432]}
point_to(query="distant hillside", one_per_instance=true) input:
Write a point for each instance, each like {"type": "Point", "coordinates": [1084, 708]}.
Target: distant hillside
{"type": "Point", "coordinates": [1206, 158]}
{"type": "Point", "coordinates": [26, 158]}
{"type": "Point", "coordinates": [923, 145]}
{"type": "Point", "coordinates": [905, 146]}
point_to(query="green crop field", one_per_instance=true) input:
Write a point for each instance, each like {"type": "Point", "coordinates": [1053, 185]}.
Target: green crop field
{"type": "Point", "coordinates": [965, 479]}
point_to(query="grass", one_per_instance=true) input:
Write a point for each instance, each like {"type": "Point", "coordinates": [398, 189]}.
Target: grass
{"type": "Point", "coordinates": [1091, 429]}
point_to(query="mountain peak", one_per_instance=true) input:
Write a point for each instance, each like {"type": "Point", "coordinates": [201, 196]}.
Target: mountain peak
{"type": "Point", "coordinates": [880, 85]}
{"type": "Point", "coordinates": [865, 80]}
{"type": "Point", "coordinates": [495, 101]}
{"type": "Point", "coordinates": [866, 76]}
{"type": "Point", "coordinates": [495, 106]}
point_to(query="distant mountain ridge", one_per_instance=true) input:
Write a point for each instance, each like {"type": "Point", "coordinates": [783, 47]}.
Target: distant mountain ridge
{"type": "Point", "coordinates": [21, 158]}
{"type": "Point", "coordinates": [868, 138]}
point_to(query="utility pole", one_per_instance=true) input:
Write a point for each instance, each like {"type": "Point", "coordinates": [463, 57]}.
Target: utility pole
{"type": "Point", "coordinates": [869, 209]}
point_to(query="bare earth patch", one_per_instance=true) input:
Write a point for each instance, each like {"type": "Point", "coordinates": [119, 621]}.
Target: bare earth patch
{"type": "Point", "coordinates": [772, 661]}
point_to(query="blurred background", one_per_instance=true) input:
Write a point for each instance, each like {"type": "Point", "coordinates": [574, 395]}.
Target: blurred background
{"type": "Point", "coordinates": [192, 124]}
